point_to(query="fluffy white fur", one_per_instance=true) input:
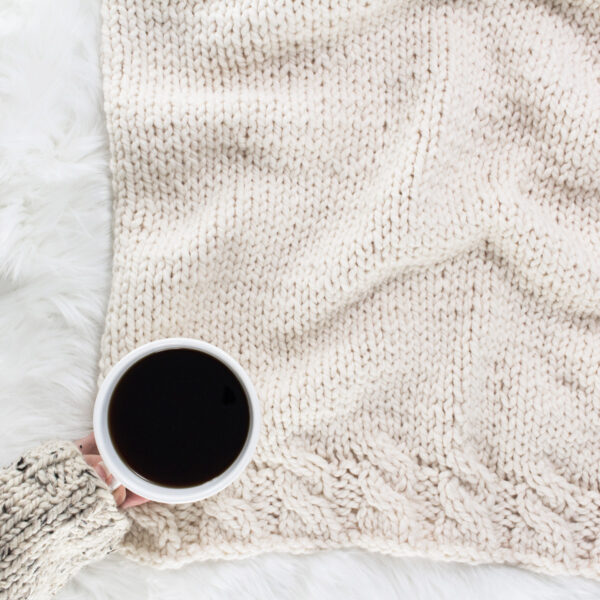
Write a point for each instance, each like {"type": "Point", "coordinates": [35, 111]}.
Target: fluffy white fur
{"type": "Point", "coordinates": [54, 278]}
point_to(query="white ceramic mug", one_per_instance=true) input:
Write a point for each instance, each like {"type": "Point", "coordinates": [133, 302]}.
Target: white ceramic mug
{"type": "Point", "coordinates": [124, 475]}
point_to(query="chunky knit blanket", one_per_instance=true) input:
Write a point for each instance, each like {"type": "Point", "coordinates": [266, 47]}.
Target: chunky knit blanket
{"type": "Point", "coordinates": [389, 213]}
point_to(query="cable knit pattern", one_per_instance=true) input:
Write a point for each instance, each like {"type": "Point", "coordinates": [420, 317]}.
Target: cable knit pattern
{"type": "Point", "coordinates": [56, 515]}
{"type": "Point", "coordinates": [389, 213]}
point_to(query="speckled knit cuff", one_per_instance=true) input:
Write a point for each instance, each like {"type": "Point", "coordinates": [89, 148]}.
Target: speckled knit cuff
{"type": "Point", "coordinates": [55, 516]}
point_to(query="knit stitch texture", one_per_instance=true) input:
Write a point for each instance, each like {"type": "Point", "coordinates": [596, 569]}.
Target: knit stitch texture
{"type": "Point", "coordinates": [56, 515]}
{"type": "Point", "coordinates": [389, 213]}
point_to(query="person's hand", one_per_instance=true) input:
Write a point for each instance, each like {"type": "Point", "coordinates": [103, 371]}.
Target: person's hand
{"type": "Point", "coordinates": [124, 498]}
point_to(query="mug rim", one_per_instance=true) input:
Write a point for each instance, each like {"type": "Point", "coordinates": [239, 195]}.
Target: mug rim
{"type": "Point", "coordinates": [129, 478]}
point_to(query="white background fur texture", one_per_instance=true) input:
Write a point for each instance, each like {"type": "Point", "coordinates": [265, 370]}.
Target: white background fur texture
{"type": "Point", "coordinates": [54, 278]}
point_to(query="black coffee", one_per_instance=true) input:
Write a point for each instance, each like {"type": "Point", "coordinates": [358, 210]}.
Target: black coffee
{"type": "Point", "coordinates": [178, 417]}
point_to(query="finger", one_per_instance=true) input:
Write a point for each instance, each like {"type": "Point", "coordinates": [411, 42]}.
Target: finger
{"type": "Point", "coordinates": [95, 461]}
{"type": "Point", "coordinates": [119, 495]}
{"type": "Point", "coordinates": [133, 500]}
{"type": "Point", "coordinates": [87, 445]}
{"type": "Point", "coordinates": [124, 498]}
{"type": "Point", "coordinates": [92, 460]}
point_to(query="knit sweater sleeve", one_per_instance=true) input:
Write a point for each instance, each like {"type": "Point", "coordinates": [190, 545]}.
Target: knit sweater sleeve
{"type": "Point", "coordinates": [56, 515]}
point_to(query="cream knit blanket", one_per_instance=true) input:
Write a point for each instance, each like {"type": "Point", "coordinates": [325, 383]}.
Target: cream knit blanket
{"type": "Point", "coordinates": [389, 213]}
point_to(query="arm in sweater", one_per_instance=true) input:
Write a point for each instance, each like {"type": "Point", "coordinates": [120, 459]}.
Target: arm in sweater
{"type": "Point", "coordinates": [56, 515]}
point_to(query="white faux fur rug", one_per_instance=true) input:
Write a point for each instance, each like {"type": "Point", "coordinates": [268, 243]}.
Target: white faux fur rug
{"type": "Point", "coordinates": [54, 277]}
